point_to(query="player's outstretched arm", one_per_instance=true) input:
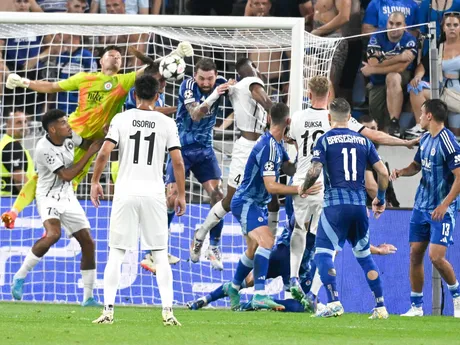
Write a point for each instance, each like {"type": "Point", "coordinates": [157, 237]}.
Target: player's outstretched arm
{"type": "Point", "coordinates": [179, 175]}
{"type": "Point", "coordinates": [260, 96]}
{"type": "Point", "coordinates": [101, 161]}
{"type": "Point", "coordinates": [378, 205]}
{"type": "Point", "coordinates": [197, 111]}
{"type": "Point", "coordinates": [410, 170]}
{"type": "Point", "coordinates": [312, 175]}
{"type": "Point", "coordinates": [440, 211]}
{"type": "Point", "coordinates": [274, 187]}
{"type": "Point", "coordinates": [41, 86]}
{"type": "Point", "coordinates": [383, 138]}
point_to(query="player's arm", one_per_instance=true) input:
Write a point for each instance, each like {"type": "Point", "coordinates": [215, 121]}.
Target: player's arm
{"type": "Point", "coordinates": [312, 175]}
{"type": "Point", "coordinates": [101, 161]}
{"type": "Point", "coordinates": [227, 122]}
{"type": "Point", "coordinates": [411, 170]}
{"type": "Point", "coordinates": [371, 184]}
{"type": "Point", "coordinates": [197, 111]}
{"type": "Point", "coordinates": [260, 96]}
{"type": "Point", "coordinates": [440, 211]}
{"type": "Point", "coordinates": [41, 86]}
{"type": "Point", "coordinates": [274, 187]}
{"type": "Point", "coordinates": [179, 175]}
{"type": "Point", "coordinates": [383, 138]}
{"type": "Point", "coordinates": [343, 16]}
{"type": "Point", "coordinates": [68, 174]}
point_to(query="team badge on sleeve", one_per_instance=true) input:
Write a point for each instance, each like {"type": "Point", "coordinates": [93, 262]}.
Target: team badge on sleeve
{"type": "Point", "coordinates": [188, 94]}
{"type": "Point", "coordinates": [269, 166]}
{"type": "Point", "coordinates": [49, 159]}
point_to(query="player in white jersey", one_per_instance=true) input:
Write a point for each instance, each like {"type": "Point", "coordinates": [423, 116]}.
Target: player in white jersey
{"type": "Point", "coordinates": [306, 127]}
{"type": "Point", "coordinates": [250, 105]}
{"type": "Point", "coordinates": [56, 201]}
{"type": "Point", "coordinates": [139, 203]}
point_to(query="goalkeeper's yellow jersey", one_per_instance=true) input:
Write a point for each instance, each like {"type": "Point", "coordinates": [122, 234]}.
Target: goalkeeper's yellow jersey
{"type": "Point", "coordinates": [100, 98]}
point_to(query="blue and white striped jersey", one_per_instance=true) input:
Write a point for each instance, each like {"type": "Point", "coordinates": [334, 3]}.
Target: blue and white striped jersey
{"type": "Point", "coordinates": [438, 156]}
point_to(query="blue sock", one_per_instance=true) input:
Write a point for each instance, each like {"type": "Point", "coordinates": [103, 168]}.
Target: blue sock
{"type": "Point", "coordinates": [171, 214]}
{"type": "Point", "coordinates": [454, 289]}
{"type": "Point", "coordinates": [416, 298]}
{"type": "Point", "coordinates": [291, 305]}
{"type": "Point", "coordinates": [216, 294]}
{"type": "Point", "coordinates": [261, 260]}
{"type": "Point", "coordinates": [245, 266]}
{"type": "Point", "coordinates": [368, 264]}
{"type": "Point", "coordinates": [215, 233]}
{"type": "Point", "coordinates": [324, 265]}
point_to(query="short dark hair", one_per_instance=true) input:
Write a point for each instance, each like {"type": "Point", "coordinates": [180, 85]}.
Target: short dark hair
{"type": "Point", "coordinates": [278, 112]}
{"type": "Point", "coordinates": [111, 47]}
{"type": "Point", "coordinates": [146, 87]}
{"type": "Point", "coordinates": [152, 69]}
{"type": "Point", "coordinates": [51, 116]}
{"type": "Point", "coordinates": [437, 108]}
{"type": "Point", "coordinates": [339, 108]}
{"type": "Point", "coordinates": [243, 61]}
{"type": "Point", "coordinates": [206, 65]}
{"type": "Point", "coordinates": [365, 118]}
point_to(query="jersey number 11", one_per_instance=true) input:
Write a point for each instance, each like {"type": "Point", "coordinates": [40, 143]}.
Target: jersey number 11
{"type": "Point", "coordinates": [137, 140]}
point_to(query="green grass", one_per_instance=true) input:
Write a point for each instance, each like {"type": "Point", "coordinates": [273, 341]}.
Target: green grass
{"type": "Point", "coordinates": [25, 323]}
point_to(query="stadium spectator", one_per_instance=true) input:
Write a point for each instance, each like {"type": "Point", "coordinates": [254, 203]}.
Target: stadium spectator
{"type": "Point", "coordinates": [289, 8]}
{"type": "Point", "coordinates": [51, 5]}
{"type": "Point", "coordinates": [434, 10]}
{"type": "Point", "coordinates": [258, 8]}
{"type": "Point", "coordinates": [204, 7]}
{"type": "Point", "coordinates": [371, 174]}
{"type": "Point", "coordinates": [17, 164]}
{"type": "Point", "coordinates": [76, 6]}
{"type": "Point", "coordinates": [378, 12]}
{"type": "Point", "coordinates": [449, 63]}
{"type": "Point", "coordinates": [7, 5]}
{"type": "Point", "coordinates": [328, 22]}
{"type": "Point", "coordinates": [120, 6]}
{"type": "Point", "coordinates": [390, 65]}
{"type": "Point", "coordinates": [156, 6]}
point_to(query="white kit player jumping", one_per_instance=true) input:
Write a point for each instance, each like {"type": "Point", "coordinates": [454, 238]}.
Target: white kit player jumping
{"type": "Point", "coordinates": [250, 105]}
{"type": "Point", "coordinates": [139, 203]}
{"type": "Point", "coordinates": [56, 201]}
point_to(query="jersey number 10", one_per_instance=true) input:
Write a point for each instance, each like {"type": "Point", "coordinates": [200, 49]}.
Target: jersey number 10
{"type": "Point", "coordinates": [353, 164]}
{"type": "Point", "coordinates": [137, 140]}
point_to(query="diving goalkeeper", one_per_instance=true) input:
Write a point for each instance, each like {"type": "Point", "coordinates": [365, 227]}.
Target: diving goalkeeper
{"type": "Point", "coordinates": [101, 96]}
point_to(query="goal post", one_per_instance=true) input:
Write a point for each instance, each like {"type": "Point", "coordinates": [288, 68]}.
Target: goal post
{"type": "Point", "coordinates": [284, 53]}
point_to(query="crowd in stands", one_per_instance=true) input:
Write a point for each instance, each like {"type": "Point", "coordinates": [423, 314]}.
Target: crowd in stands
{"type": "Point", "coordinates": [385, 75]}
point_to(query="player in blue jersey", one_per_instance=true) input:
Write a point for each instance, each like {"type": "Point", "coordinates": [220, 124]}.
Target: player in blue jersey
{"type": "Point", "coordinates": [249, 206]}
{"type": "Point", "coordinates": [433, 217]}
{"type": "Point", "coordinates": [196, 116]}
{"type": "Point", "coordinates": [344, 155]}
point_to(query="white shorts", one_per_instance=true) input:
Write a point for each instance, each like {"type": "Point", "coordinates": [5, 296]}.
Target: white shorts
{"type": "Point", "coordinates": [308, 210]}
{"type": "Point", "coordinates": [139, 216]}
{"type": "Point", "coordinates": [68, 211]}
{"type": "Point", "coordinates": [241, 150]}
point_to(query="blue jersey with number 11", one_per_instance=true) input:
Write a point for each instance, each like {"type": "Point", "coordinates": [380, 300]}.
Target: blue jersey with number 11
{"type": "Point", "coordinates": [344, 155]}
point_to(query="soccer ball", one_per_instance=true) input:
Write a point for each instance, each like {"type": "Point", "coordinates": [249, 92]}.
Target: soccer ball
{"type": "Point", "coordinates": [172, 67]}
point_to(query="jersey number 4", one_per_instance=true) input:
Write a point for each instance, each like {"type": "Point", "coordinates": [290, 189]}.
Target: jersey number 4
{"type": "Point", "coordinates": [305, 141]}
{"type": "Point", "coordinates": [137, 141]}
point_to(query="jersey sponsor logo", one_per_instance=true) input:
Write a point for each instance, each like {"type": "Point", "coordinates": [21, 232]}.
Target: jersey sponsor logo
{"type": "Point", "coordinates": [49, 159]}
{"type": "Point", "coordinates": [309, 124]}
{"type": "Point", "coordinates": [188, 94]}
{"type": "Point", "coordinates": [146, 124]}
{"type": "Point", "coordinates": [108, 86]}
{"type": "Point", "coordinates": [269, 166]}
{"type": "Point", "coordinates": [95, 96]}
{"type": "Point", "coordinates": [426, 163]}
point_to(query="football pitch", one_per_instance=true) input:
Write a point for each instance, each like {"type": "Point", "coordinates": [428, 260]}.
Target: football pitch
{"type": "Point", "coordinates": [26, 323]}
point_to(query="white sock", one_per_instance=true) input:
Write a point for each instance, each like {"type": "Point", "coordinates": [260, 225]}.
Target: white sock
{"type": "Point", "coordinates": [30, 261]}
{"type": "Point", "coordinates": [89, 281]}
{"type": "Point", "coordinates": [216, 213]}
{"type": "Point", "coordinates": [112, 275]}
{"type": "Point", "coordinates": [273, 221]}
{"type": "Point", "coordinates": [317, 283]}
{"type": "Point", "coordinates": [164, 277]}
{"type": "Point", "coordinates": [298, 243]}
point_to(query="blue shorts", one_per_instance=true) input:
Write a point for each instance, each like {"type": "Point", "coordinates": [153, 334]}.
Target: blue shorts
{"type": "Point", "coordinates": [423, 229]}
{"type": "Point", "coordinates": [200, 160]}
{"type": "Point", "coordinates": [249, 215]}
{"type": "Point", "coordinates": [342, 223]}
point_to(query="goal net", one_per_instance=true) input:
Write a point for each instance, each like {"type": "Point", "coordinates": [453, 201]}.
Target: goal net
{"type": "Point", "coordinates": [54, 52]}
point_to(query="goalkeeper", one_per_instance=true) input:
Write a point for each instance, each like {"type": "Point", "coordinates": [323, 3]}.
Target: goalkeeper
{"type": "Point", "coordinates": [101, 96]}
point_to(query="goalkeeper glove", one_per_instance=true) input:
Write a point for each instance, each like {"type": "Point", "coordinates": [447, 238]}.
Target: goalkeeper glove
{"type": "Point", "coordinates": [15, 80]}
{"type": "Point", "coordinates": [184, 49]}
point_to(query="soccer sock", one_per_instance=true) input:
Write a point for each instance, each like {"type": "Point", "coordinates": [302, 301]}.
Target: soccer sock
{"type": "Point", "coordinates": [327, 273]}
{"type": "Point", "coordinates": [216, 294]}
{"type": "Point", "coordinates": [216, 232]}
{"type": "Point", "coordinates": [261, 260]}
{"type": "Point", "coordinates": [171, 214]}
{"type": "Point", "coordinates": [164, 277]}
{"type": "Point", "coordinates": [30, 261]}
{"type": "Point", "coordinates": [112, 275]}
{"type": "Point", "coordinates": [215, 215]}
{"type": "Point", "coordinates": [291, 305]}
{"type": "Point", "coordinates": [245, 265]}
{"type": "Point", "coordinates": [373, 278]}
{"type": "Point", "coordinates": [416, 298]}
{"type": "Point", "coordinates": [454, 289]}
{"type": "Point", "coordinates": [316, 283]}
{"type": "Point", "coordinates": [298, 243]}
{"type": "Point", "coordinates": [26, 195]}
{"type": "Point", "coordinates": [273, 221]}
{"type": "Point", "coordinates": [89, 281]}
